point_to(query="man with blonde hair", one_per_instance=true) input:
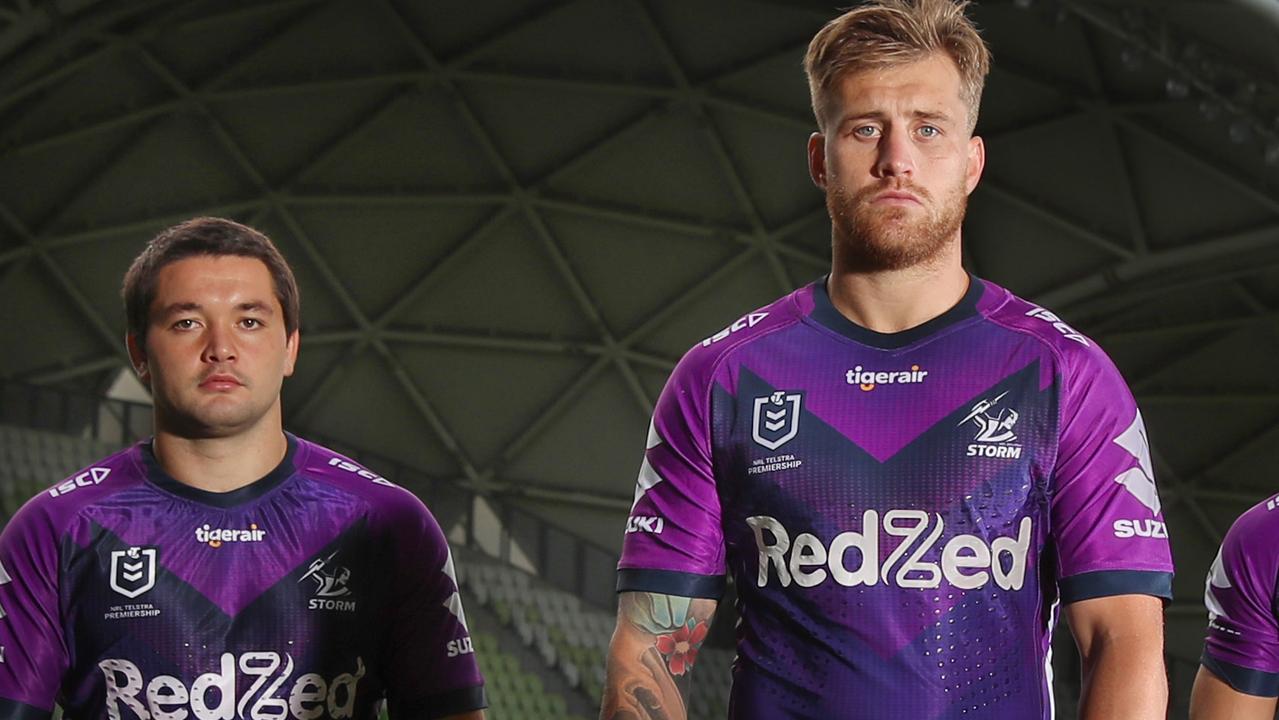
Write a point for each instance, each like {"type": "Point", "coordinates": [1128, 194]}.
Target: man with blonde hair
{"type": "Point", "coordinates": [905, 468]}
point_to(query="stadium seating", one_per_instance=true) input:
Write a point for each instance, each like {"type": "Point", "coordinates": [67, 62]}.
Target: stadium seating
{"type": "Point", "coordinates": [32, 460]}
{"type": "Point", "coordinates": [514, 694]}
{"type": "Point", "coordinates": [572, 637]}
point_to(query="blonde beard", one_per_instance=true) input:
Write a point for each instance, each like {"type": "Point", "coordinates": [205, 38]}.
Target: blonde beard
{"type": "Point", "coordinates": [870, 239]}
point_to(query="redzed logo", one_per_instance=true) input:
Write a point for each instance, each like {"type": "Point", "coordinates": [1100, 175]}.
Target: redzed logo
{"type": "Point", "coordinates": [215, 695]}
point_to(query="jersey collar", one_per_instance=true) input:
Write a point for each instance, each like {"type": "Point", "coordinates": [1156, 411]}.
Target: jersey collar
{"type": "Point", "coordinates": [239, 496]}
{"type": "Point", "coordinates": [825, 314]}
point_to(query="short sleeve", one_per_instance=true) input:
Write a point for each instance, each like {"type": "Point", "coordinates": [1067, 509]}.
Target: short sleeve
{"type": "Point", "coordinates": [1107, 525]}
{"type": "Point", "coordinates": [674, 542]}
{"type": "Point", "coordinates": [33, 652]}
{"type": "Point", "coordinates": [1242, 647]}
{"type": "Point", "coordinates": [433, 671]}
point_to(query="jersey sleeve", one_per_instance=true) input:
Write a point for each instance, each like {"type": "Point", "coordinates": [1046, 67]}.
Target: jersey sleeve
{"type": "Point", "coordinates": [33, 651]}
{"type": "Point", "coordinates": [674, 542]}
{"type": "Point", "coordinates": [1242, 647]}
{"type": "Point", "coordinates": [432, 671]}
{"type": "Point", "coordinates": [1107, 525]}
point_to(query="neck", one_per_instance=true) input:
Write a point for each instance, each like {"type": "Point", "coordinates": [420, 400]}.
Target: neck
{"type": "Point", "coordinates": [896, 300]}
{"type": "Point", "coordinates": [221, 464]}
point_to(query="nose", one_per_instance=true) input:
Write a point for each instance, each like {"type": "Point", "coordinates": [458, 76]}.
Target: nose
{"type": "Point", "coordinates": [219, 345]}
{"type": "Point", "coordinates": [896, 154]}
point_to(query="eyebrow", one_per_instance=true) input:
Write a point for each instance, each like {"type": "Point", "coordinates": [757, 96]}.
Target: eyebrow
{"type": "Point", "coordinates": [181, 307]}
{"type": "Point", "coordinates": [878, 115]}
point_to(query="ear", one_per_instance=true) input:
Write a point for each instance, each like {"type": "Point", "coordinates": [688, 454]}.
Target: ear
{"type": "Point", "coordinates": [138, 357]}
{"type": "Point", "coordinates": [817, 159]}
{"type": "Point", "coordinates": [291, 352]}
{"type": "Point", "coordinates": [976, 162]}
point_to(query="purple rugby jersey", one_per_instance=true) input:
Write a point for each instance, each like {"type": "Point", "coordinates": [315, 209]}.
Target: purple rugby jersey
{"type": "Point", "coordinates": [312, 593]}
{"type": "Point", "coordinates": [1242, 595]}
{"type": "Point", "coordinates": [901, 512]}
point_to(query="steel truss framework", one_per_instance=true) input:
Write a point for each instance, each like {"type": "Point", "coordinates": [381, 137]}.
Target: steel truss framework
{"type": "Point", "coordinates": [1097, 295]}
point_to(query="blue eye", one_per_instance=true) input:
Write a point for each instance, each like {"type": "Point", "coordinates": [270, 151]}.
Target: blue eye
{"type": "Point", "coordinates": [929, 131]}
{"type": "Point", "coordinates": [866, 131]}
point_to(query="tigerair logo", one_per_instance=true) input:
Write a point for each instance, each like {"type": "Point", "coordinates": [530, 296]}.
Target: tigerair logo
{"type": "Point", "coordinates": [868, 380]}
{"type": "Point", "coordinates": [966, 562]}
{"type": "Point", "coordinates": [215, 537]}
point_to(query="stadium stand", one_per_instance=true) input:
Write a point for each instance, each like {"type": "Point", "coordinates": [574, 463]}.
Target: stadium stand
{"type": "Point", "coordinates": [32, 460]}
{"type": "Point", "coordinates": [513, 693]}
{"type": "Point", "coordinates": [573, 637]}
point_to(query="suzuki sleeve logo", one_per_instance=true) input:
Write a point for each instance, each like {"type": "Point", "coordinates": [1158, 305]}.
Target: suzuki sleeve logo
{"type": "Point", "coordinates": [1217, 578]}
{"type": "Point", "coordinates": [648, 477]}
{"type": "Point", "coordinates": [776, 419]}
{"type": "Point", "coordinates": [1139, 481]}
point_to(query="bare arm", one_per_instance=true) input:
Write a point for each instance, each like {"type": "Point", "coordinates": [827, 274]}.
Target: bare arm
{"type": "Point", "coordinates": [1121, 643]}
{"type": "Point", "coordinates": [1213, 699]}
{"type": "Point", "coordinates": [654, 647]}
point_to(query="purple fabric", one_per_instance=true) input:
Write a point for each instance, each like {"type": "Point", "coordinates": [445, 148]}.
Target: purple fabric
{"type": "Point", "coordinates": [320, 592]}
{"type": "Point", "coordinates": [1240, 593]}
{"type": "Point", "coordinates": [898, 515]}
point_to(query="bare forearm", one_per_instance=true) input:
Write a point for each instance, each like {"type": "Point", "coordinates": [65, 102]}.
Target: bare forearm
{"type": "Point", "coordinates": [1124, 679]}
{"type": "Point", "coordinates": [651, 656]}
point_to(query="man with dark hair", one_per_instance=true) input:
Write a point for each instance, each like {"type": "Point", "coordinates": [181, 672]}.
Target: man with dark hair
{"type": "Point", "coordinates": [906, 469]}
{"type": "Point", "coordinates": [225, 568]}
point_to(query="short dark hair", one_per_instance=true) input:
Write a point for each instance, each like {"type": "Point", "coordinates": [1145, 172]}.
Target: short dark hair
{"type": "Point", "coordinates": [204, 236]}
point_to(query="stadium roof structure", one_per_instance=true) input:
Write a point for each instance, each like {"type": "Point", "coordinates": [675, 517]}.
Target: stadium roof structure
{"type": "Point", "coordinates": [509, 219]}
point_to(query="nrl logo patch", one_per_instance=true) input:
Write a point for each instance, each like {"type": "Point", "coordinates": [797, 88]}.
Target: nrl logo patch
{"type": "Point", "coordinates": [133, 571]}
{"type": "Point", "coordinates": [776, 419]}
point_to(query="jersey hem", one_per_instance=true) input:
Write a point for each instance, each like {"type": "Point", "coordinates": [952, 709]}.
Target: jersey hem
{"type": "Point", "coordinates": [453, 702]}
{"type": "Point", "coordinates": [670, 582]}
{"type": "Point", "coordinates": [1242, 679]}
{"type": "Point", "coordinates": [1105, 583]}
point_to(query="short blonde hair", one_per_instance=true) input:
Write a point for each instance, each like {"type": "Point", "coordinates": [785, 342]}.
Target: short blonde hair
{"type": "Point", "coordinates": [884, 33]}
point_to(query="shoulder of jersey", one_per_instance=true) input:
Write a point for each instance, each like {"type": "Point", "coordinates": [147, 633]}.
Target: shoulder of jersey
{"type": "Point", "coordinates": [754, 325]}
{"type": "Point", "coordinates": [88, 485]}
{"type": "Point", "coordinates": [1026, 317]}
{"type": "Point", "coordinates": [1258, 526]}
{"type": "Point", "coordinates": [321, 463]}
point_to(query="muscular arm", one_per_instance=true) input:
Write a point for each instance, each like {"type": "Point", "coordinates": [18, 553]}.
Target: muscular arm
{"type": "Point", "coordinates": [1214, 699]}
{"type": "Point", "coordinates": [1120, 640]}
{"type": "Point", "coordinates": [653, 650]}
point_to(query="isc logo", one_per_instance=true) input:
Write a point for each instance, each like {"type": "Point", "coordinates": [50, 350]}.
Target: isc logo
{"type": "Point", "coordinates": [366, 474]}
{"type": "Point", "coordinates": [1051, 318]}
{"type": "Point", "coordinates": [743, 323]}
{"type": "Point", "coordinates": [88, 478]}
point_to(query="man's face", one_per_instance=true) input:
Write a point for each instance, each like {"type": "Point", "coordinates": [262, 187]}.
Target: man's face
{"type": "Point", "coordinates": [897, 162]}
{"type": "Point", "coordinates": [216, 350]}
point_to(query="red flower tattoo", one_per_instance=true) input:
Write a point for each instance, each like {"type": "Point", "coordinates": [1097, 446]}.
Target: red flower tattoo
{"type": "Point", "coordinates": [680, 647]}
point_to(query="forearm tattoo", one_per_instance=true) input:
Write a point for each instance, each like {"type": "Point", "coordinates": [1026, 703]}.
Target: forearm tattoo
{"type": "Point", "coordinates": [652, 683]}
